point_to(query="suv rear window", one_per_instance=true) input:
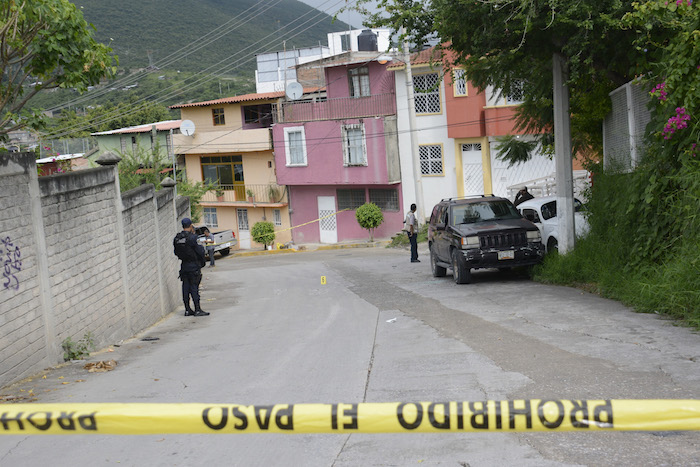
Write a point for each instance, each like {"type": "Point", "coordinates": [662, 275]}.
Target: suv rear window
{"type": "Point", "coordinates": [486, 211]}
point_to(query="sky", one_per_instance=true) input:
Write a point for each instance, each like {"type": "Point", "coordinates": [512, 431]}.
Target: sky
{"type": "Point", "coordinates": [351, 18]}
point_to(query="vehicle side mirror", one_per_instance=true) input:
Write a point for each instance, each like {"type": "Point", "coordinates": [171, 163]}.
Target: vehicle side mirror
{"type": "Point", "coordinates": [440, 226]}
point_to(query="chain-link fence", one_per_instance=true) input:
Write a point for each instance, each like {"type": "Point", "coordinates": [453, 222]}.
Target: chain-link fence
{"type": "Point", "coordinates": [624, 127]}
{"type": "Point", "coordinates": [51, 147]}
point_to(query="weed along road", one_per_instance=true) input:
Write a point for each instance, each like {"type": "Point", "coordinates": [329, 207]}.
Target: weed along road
{"type": "Point", "coordinates": [301, 350]}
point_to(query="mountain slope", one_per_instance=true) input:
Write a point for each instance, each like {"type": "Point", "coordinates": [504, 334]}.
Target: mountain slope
{"type": "Point", "coordinates": [135, 28]}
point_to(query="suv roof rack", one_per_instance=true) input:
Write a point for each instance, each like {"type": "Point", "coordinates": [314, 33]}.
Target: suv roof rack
{"type": "Point", "coordinates": [468, 197]}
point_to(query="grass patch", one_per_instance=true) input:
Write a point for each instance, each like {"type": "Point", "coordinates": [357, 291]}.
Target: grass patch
{"type": "Point", "coordinates": [400, 240]}
{"type": "Point", "coordinates": [644, 244]}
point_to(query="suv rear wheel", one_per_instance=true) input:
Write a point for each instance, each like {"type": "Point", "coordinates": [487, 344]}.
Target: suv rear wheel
{"type": "Point", "coordinates": [438, 271]}
{"type": "Point", "coordinates": [460, 270]}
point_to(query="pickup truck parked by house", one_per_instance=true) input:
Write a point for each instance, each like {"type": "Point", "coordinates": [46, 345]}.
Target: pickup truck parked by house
{"type": "Point", "coordinates": [543, 213]}
{"type": "Point", "coordinates": [223, 239]}
{"type": "Point", "coordinates": [480, 232]}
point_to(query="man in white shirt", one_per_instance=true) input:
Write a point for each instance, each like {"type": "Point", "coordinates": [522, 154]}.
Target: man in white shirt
{"type": "Point", "coordinates": [412, 231]}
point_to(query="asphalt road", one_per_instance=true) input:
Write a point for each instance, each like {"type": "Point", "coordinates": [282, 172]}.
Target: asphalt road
{"type": "Point", "coordinates": [380, 329]}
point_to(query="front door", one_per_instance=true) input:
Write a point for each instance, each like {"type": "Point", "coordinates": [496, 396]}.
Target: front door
{"type": "Point", "coordinates": [473, 169]}
{"type": "Point", "coordinates": [327, 224]}
{"type": "Point", "coordinates": [243, 229]}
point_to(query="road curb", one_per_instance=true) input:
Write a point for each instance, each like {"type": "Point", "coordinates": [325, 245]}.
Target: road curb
{"type": "Point", "coordinates": [304, 248]}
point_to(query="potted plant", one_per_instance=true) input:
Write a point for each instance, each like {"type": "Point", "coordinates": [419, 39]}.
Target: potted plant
{"type": "Point", "coordinates": [219, 194]}
{"type": "Point", "coordinates": [273, 193]}
{"type": "Point", "coordinates": [251, 196]}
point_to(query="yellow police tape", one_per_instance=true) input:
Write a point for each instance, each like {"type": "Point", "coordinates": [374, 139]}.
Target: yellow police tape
{"type": "Point", "coordinates": [394, 417]}
{"type": "Point", "coordinates": [311, 222]}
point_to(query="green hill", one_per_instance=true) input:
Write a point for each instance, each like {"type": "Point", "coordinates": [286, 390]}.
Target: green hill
{"type": "Point", "coordinates": [137, 28]}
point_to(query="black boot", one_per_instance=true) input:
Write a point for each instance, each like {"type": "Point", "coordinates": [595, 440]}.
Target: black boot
{"type": "Point", "coordinates": [188, 310]}
{"type": "Point", "coordinates": [198, 310]}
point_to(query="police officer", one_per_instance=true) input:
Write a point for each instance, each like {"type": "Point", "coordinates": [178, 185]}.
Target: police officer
{"type": "Point", "coordinates": [191, 253]}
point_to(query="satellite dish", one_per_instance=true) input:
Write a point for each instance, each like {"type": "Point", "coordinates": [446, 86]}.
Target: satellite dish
{"type": "Point", "coordinates": [294, 90]}
{"type": "Point", "coordinates": [187, 127]}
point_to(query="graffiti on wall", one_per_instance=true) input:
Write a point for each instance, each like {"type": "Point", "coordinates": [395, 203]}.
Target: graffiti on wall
{"type": "Point", "coordinates": [12, 263]}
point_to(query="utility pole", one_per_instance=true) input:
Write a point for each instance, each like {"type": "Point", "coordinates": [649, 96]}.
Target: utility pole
{"type": "Point", "coordinates": [412, 128]}
{"type": "Point", "coordinates": [562, 154]}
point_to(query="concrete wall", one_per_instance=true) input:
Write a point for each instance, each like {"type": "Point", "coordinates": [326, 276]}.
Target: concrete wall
{"type": "Point", "coordinates": [79, 257]}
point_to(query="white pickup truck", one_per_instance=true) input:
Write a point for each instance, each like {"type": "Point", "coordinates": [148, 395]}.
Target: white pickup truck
{"type": "Point", "coordinates": [223, 239]}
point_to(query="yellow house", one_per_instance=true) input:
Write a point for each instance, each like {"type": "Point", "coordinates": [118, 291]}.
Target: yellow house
{"type": "Point", "coordinates": [228, 142]}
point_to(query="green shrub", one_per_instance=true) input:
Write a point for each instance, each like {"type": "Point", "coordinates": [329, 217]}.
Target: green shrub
{"type": "Point", "coordinates": [369, 216]}
{"type": "Point", "coordinates": [77, 350]}
{"type": "Point", "coordinates": [263, 232]}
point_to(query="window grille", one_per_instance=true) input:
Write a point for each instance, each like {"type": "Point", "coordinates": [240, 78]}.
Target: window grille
{"type": "Point", "coordinates": [210, 217]}
{"type": "Point", "coordinates": [460, 82]}
{"type": "Point", "coordinates": [426, 90]}
{"type": "Point", "coordinates": [471, 147]}
{"type": "Point", "coordinates": [242, 219]}
{"type": "Point", "coordinates": [354, 145]}
{"type": "Point", "coordinates": [277, 217]}
{"type": "Point", "coordinates": [350, 198]}
{"type": "Point", "coordinates": [430, 159]}
{"type": "Point", "coordinates": [386, 199]}
{"type": "Point", "coordinates": [516, 95]}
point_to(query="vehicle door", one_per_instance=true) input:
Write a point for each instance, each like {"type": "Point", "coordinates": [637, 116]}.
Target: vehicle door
{"type": "Point", "coordinates": [442, 233]}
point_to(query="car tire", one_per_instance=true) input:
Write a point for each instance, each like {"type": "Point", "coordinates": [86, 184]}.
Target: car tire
{"type": "Point", "coordinates": [225, 251]}
{"type": "Point", "coordinates": [552, 245]}
{"type": "Point", "coordinates": [438, 271]}
{"type": "Point", "coordinates": [460, 271]}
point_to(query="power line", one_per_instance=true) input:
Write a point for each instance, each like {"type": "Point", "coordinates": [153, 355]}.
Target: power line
{"type": "Point", "coordinates": [202, 79]}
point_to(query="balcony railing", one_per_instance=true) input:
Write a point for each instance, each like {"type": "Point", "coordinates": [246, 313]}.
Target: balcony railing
{"type": "Point", "coordinates": [335, 109]}
{"type": "Point", "coordinates": [245, 193]}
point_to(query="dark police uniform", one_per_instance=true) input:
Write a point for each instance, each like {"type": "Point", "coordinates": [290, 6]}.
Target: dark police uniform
{"type": "Point", "coordinates": [191, 253]}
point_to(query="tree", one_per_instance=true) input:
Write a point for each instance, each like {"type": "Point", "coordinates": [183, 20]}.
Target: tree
{"type": "Point", "coordinates": [263, 232]}
{"type": "Point", "coordinates": [508, 44]}
{"type": "Point", "coordinates": [44, 44]}
{"type": "Point", "coordinates": [369, 216]}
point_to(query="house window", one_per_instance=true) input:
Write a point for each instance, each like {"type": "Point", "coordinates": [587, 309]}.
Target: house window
{"type": "Point", "coordinates": [515, 96]}
{"type": "Point", "coordinates": [242, 219]}
{"type": "Point", "coordinates": [295, 146]}
{"type": "Point", "coordinates": [359, 81]}
{"type": "Point", "coordinates": [344, 42]}
{"type": "Point", "coordinates": [386, 199]}
{"type": "Point", "coordinates": [426, 89]}
{"type": "Point", "coordinates": [350, 199]}
{"type": "Point", "coordinates": [218, 116]}
{"type": "Point", "coordinates": [277, 217]}
{"type": "Point", "coordinates": [354, 152]}
{"type": "Point", "coordinates": [430, 159]}
{"type": "Point", "coordinates": [226, 171]}
{"type": "Point", "coordinates": [460, 82]}
{"type": "Point", "coordinates": [134, 145]}
{"type": "Point", "coordinates": [257, 116]}
{"type": "Point", "coordinates": [122, 143]}
{"type": "Point", "coordinates": [210, 218]}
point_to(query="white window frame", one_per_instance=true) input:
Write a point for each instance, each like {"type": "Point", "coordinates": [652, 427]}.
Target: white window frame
{"type": "Point", "coordinates": [509, 100]}
{"type": "Point", "coordinates": [346, 145]}
{"type": "Point", "coordinates": [295, 129]}
{"type": "Point", "coordinates": [359, 82]}
{"type": "Point", "coordinates": [277, 217]}
{"type": "Point", "coordinates": [211, 218]}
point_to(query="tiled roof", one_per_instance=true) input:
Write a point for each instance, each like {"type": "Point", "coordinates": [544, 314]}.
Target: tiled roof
{"type": "Point", "coordinates": [160, 126]}
{"type": "Point", "coordinates": [233, 100]}
{"type": "Point", "coordinates": [424, 57]}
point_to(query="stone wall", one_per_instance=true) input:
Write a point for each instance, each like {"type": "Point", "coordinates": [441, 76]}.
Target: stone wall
{"type": "Point", "coordinates": [79, 257]}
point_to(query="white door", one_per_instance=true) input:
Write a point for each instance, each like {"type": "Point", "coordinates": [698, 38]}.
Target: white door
{"type": "Point", "coordinates": [243, 229]}
{"type": "Point", "coordinates": [327, 225]}
{"type": "Point", "coordinates": [473, 169]}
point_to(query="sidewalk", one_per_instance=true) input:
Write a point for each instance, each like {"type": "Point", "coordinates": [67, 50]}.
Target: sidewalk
{"type": "Point", "coordinates": [382, 243]}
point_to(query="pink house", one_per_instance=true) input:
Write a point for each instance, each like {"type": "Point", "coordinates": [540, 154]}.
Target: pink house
{"type": "Point", "coordinates": [338, 151]}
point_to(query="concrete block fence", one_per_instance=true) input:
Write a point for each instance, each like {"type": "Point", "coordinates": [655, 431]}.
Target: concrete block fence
{"type": "Point", "coordinates": [80, 257]}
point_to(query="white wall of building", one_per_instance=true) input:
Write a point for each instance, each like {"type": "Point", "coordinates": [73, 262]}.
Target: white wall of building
{"type": "Point", "coordinates": [430, 129]}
